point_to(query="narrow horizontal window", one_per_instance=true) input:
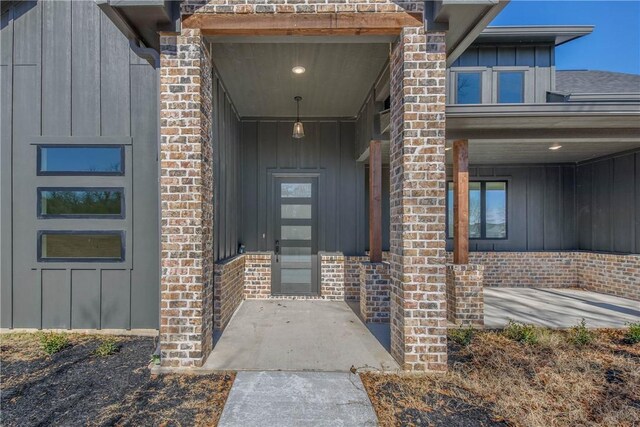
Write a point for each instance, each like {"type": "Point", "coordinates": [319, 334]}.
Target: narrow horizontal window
{"type": "Point", "coordinates": [469, 88]}
{"type": "Point", "coordinates": [510, 87]}
{"type": "Point", "coordinates": [81, 246]}
{"type": "Point", "coordinates": [289, 190]}
{"type": "Point", "coordinates": [80, 160]}
{"type": "Point", "coordinates": [487, 210]}
{"type": "Point", "coordinates": [80, 202]}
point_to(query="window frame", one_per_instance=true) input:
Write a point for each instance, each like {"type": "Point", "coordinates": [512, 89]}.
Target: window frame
{"type": "Point", "coordinates": [120, 233]}
{"type": "Point", "coordinates": [121, 215]}
{"type": "Point", "coordinates": [480, 73]}
{"type": "Point", "coordinates": [40, 172]}
{"type": "Point", "coordinates": [523, 73]}
{"type": "Point", "coordinates": [483, 209]}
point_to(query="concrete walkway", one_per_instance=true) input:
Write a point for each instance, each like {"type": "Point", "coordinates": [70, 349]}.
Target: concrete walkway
{"type": "Point", "coordinates": [298, 335]}
{"type": "Point", "coordinates": [557, 308]}
{"type": "Point", "coordinates": [297, 399]}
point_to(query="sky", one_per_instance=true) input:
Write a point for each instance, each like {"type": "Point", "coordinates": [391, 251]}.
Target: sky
{"type": "Point", "coordinates": [614, 44]}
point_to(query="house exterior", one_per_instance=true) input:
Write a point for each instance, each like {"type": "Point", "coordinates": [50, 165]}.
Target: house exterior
{"type": "Point", "coordinates": [150, 179]}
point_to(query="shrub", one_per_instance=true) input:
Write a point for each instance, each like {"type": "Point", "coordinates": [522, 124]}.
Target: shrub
{"type": "Point", "coordinates": [53, 342]}
{"type": "Point", "coordinates": [461, 335]}
{"type": "Point", "coordinates": [527, 334]}
{"type": "Point", "coordinates": [633, 334]}
{"type": "Point", "coordinates": [107, 347]}
{"type": "Point", "coordinates": [580, 335]}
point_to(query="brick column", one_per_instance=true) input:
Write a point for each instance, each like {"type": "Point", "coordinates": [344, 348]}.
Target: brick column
{"type": "Point", "coordinates": [465, 295]}
{"type": "Point", "coordinates": [418, 288]}
{"type": "Point", "coordinates": [186, 190]}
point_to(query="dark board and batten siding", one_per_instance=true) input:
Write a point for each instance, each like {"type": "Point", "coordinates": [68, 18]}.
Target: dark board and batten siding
{"type": "Point", "coordinates": [328, 149]}
{"type": "Point", "coordinates": [608, 194]}
{"type": "Point", "coordinates": [69, 76]}
{"type": "Point", "coordinates": [227, 173]}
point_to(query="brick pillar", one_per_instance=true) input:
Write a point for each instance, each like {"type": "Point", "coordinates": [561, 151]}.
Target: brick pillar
{"type": "Point", "coordinates": [418, 279]}
{"type": "Point", "coordinates": [186, 190]}
{"type": "Point", "coordinates": [465, 294]}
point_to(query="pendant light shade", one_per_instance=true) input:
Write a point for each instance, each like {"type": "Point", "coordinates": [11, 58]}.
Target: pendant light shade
{"type": "Point", "coordinates": [298, 129]}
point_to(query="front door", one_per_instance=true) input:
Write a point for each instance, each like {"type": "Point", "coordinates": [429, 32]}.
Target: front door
{"type": "Point", "coordinates": [295, 233]}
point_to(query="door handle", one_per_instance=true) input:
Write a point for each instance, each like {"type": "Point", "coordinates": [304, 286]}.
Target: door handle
{"type": "Point", "coordinates": [277, 250]}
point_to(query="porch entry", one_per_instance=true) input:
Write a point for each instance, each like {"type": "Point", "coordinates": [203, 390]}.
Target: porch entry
{"type": "Point", "coordinates": [295, 231]}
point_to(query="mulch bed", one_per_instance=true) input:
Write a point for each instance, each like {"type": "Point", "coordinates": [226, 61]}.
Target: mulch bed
{"type": "Point", "coordinates": [77, 387]}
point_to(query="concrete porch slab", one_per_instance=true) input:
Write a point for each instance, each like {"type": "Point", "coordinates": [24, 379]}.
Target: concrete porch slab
{"type": "Point", "coordinates": [297, 399]}
{"type": "Point", "coordinates": [297, 335]}
{"type": "Point", "coordinates": [557, 308]}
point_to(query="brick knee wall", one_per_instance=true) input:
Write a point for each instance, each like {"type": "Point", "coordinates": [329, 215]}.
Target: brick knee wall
{"type": "Point", "coordinates": [332, 276]}
{"type": "Point", "coordinates": [612, 274]}
{"type": "Point", "coordinates": [228, 290]}
{"type": "Point", "coordinates": [374, 292]}
{"type": "Point", "coordinates": [465, 297]}
{"type": "Point", "coordinates": [257, 275]}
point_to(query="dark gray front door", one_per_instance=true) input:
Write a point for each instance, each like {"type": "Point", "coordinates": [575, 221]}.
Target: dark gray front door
{"type": "Point", "coordinates": [295, 232]}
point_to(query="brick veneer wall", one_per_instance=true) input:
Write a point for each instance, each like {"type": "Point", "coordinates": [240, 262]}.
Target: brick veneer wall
{"type": "Point", "coordinates": [257, 275]}
{"type": "Point", "coordinates": [228, 290]}
{"type": "Point", "coordinates": [418, 276]}
{"type": "Point", "coordinates": [186, 193]}
{"type": "Point", "coordinates": [374, 292]}
{"type": "Point", "coordinates": [465, 296]}
{"type": "Point", "coordinates": [612, 274]}
{"type": "Point", "coordinates": [299, 6]}
{"type": "Point", "coordinates": [340, 276]}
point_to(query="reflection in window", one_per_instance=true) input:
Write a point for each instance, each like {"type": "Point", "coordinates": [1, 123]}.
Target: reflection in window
{"type": "Point", "coordinates": [104, 202]}
{"type": "Point", "coordinates": [487, 210]}
{"type": "Point", "coordinates": [510, 87]}
{"type": "Point", "coordinates": [289, 190]}
{"type": "Point", "coordinates": [469, 88]}
{"type": "Point", "coordinates": [81, 246]}
{"type": "Point", "coordinates": [80, 160]}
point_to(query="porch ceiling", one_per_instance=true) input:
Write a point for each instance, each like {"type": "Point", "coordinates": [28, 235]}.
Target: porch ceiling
{"type": "Point", "coordinates": [338, 76]}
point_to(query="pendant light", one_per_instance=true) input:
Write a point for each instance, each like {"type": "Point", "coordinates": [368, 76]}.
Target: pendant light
{"type": "Point", "coordinates": [298, 129]}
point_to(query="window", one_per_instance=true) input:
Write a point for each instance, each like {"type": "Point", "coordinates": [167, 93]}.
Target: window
{"type": "Point", "coordinates": [73, 246]}
{"type": "Point", "coordinates": [80, 160]}
{"type": "Point", "coordinates": [469, 88]}
{"type": "Point", "coordinates": [487, 210]}
{"type": "Point", "coordinates": [80, 202]}
{"type": "Point", "coordinates": [510, 87]}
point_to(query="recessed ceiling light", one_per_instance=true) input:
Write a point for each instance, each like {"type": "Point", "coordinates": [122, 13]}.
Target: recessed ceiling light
{"type": "Point", "coordinates": [447, 148]}
{"type": "Point", "coordinates": [555, 147]}
{"type": "Point", "coordinates": [298, 69]}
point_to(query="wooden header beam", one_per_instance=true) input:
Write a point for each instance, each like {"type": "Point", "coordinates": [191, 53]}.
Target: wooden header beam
{"type": "Point", "coordinates": [461, 201]}
{"type": "Point", "coordinates": [302, 24]}
{"type": "Point", "coordinates": [375, 201]}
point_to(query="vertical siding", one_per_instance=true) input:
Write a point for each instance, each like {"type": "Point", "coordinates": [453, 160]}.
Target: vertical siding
{"type": "Point", "coordinates": [66, 71]}
{"type": "Point", "coordinates": [608, 200]}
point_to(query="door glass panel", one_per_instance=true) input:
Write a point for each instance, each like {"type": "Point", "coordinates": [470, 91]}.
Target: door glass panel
{"type": "Point", "coordinates": [89, 202]}
{"type": "Point", "coordinates": [296, 212]}
{"type": "Point", "coordinates": [295, 250]}
{"type": "Point", "coordinates": [295, 232]}
{"type": "Point", "coordinates": [296, 261]}
{"type": "Point", "coordinates": [81, 246]}
{"type": "Point", "coordinates": [289, 190]}
{"type": "Point", "coordinates": [296, 275]}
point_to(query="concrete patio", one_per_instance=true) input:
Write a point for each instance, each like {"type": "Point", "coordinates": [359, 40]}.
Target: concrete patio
{"type": "Point", "coordinates": [299, 335]}
{"type": "Point", "coordinates": [557, 308]}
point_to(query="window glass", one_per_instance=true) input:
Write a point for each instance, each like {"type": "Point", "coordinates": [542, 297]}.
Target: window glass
{"type": "Point", "coordinates": [469, 88]}
{"type": "Point", "coordinates": [81, 246]}
{"type": "Point", "coordinates": [83, 160]}
{"type": "Point", "coordinates": [510, 87]}
{"type": "Point", "coordinates": [475, 210]}
{"type": "Point", "coordinates": [295, 232]}
{"type": "Point", "coordinates": [296, 211]}
{"type": "Point", "coordinates": [289, 190]}
{"type": "Point", "coordinates": [496, 201]}
{"type": "Point", "coordinates": [86, 202]}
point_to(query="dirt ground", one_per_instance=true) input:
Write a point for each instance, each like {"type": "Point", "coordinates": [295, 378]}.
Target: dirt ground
{"type": "Point", "coordinates": [495, 381]}
{"type": "Point", "coordinates": [77, 387]}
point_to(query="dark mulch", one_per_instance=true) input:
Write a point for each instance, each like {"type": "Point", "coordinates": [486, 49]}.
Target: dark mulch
{"type": "Point", "coordinates": [76, 387]}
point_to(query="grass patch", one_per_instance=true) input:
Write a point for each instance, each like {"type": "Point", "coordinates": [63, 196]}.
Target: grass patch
{"type": "Point", "coordinates": [580, 335]}
{"type": "Point", "coordinates": [633, 333]}
{"type": "Point", "coordinates": [523, 333]}
{"type": "Point", "coordinates": [53, 342]}
{"type": "Point", "coordinates": [462, 335]}
{"type": "Point", "coordinates": [496, 380]}
{"type": "Point", "coordinates": [107, 347]}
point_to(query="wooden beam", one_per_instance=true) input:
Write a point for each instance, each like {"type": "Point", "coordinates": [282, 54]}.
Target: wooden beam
{"type": "Point", "coordinates": [302, 24]}
{"type": "Point", "coordinates": [461, 201]}
{"type": "Point", "coordinates": [375, 201]}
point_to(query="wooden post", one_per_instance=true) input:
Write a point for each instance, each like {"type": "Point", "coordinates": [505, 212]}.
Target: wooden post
{"type": "Point", "coordinates": [375, 201]}
{"type": "Point", "coordinates": [461, 201]}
